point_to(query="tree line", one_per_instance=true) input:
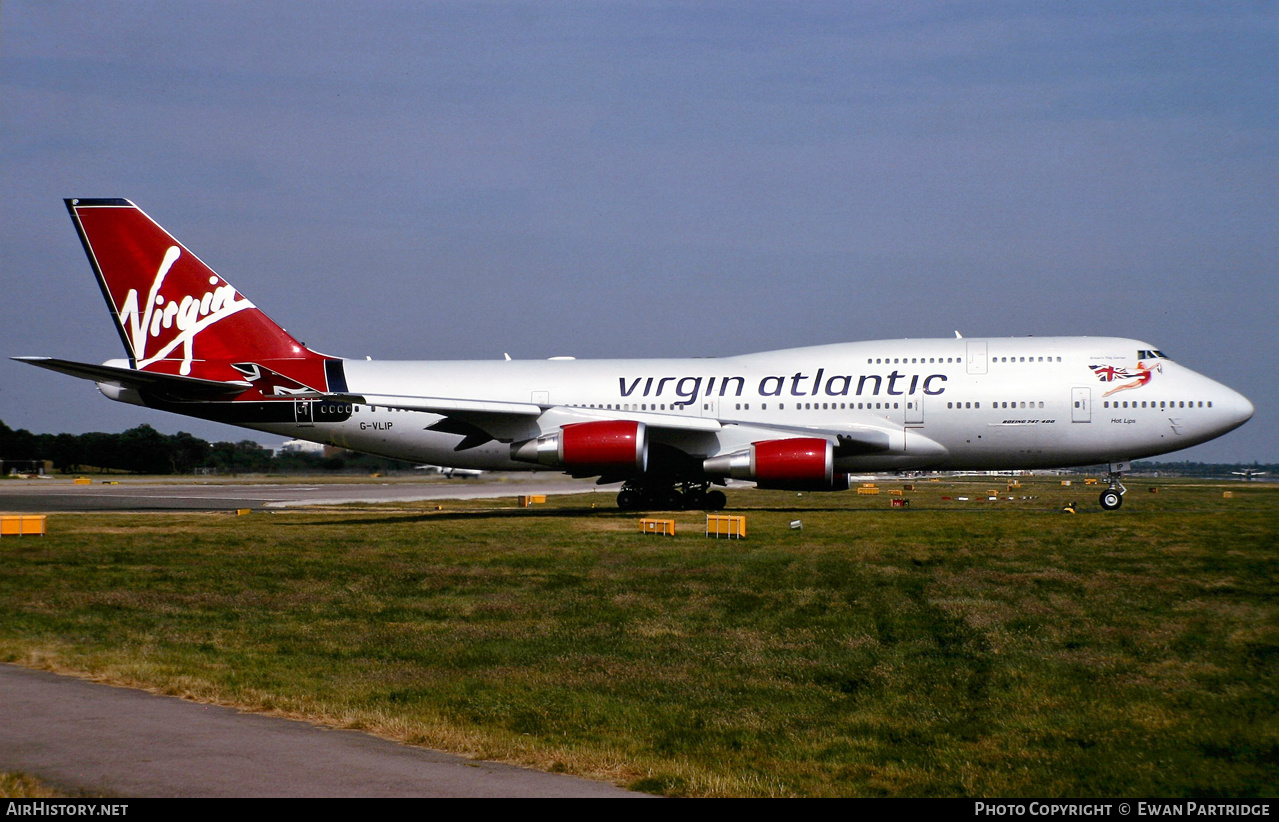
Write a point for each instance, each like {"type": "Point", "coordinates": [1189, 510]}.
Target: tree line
{"type": "Point", "coordinates": [144, 450]}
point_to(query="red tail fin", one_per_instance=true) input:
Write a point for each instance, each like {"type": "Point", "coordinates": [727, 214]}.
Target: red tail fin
{"type": "Point", "coordinates": [175, 315]}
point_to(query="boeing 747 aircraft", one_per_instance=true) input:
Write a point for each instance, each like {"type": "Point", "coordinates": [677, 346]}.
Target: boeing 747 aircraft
{"type": "Point", "coordinates": [669, 429]}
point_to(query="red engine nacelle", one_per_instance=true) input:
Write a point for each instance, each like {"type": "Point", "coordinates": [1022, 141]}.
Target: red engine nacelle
{"type": "Point", "coordinates": [601, 446]}
{"type": "Point", "coordinates": [803, 458]}
{"type": "Point", "coordinates": [778, 463]}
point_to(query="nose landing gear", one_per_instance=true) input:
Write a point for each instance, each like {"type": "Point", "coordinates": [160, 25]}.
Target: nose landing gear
{"type": "Point", "coordinates": [1113, 496]}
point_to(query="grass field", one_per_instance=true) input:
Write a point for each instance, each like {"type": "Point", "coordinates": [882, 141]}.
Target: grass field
{"type": "Point", "coordinates": [22, 786]}
{"type": "Point", "coordinates": [954, 648]}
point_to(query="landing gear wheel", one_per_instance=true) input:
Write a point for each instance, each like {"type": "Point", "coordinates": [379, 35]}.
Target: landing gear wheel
{"type": "Point", "coordinates": [694, 499]}
{"type": "Point", "coordinates": [1111, 499]}
{"type": "Point", "coordinates": [629, 500]}
{"type": "Point", "coordinates": [652, 498]}
{"type": "Point", "coordinates": [658, 496]}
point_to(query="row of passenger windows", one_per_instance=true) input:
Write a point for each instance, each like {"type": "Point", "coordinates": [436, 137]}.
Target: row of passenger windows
{"type": "Point", "coordinates": [881, 406]}
{"type": "Point", "coordinates": [1000, 404]}
{"type": "Point", "coordinates": [877, 406]}
{"type": "Point", "coordinates": [745, 406]}
{"type": "Point", "coordinates": [820, 406]}
{"type": "Point", "coordinates": [943, 360]}
{"type": "Point", "coordinates": [1152, 404]}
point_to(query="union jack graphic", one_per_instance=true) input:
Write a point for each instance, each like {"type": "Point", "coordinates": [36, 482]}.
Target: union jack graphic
{"type": "Point", "coordinates": [1109, 373]}
{"type": "Point", "coordinates": [1134, 379]}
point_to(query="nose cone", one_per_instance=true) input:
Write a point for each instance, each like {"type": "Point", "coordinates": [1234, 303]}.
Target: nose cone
{"type": "Point", "coordinates": [1231, 409]}
{"type": "Point", "coordinates": [1221, 411]}
{"type": "Point", "coordinates": [1236, 408]}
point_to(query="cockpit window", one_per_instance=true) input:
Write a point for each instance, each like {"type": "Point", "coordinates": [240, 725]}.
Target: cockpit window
{"type": "Point", "coordinates": [1151, 354]}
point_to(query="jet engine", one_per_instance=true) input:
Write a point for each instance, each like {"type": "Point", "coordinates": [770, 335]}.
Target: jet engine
{"type": "Point", "coordinates": [607, 445]}
{"type": "Point", "coordinates": [798, 459]}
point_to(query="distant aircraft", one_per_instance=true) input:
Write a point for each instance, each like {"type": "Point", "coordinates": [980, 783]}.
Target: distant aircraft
{"type": "Point", "coordinates": [669, 429]}
{"type": "Point", "coordinates": [451, 473]}
{"type": "Point", "coordinates": [1249, 474]}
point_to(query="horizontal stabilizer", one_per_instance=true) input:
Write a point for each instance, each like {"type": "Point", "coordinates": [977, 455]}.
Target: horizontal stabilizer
{"type": "Point", "coordinates": [187, 387]}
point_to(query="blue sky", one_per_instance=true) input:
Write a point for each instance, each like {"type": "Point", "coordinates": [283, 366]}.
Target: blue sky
{"type": "Point", "coordinates": [460, 180]}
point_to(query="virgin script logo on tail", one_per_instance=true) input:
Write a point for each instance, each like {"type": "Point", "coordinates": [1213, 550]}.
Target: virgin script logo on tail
{"type": "Point", "coordinates": [172, 320]}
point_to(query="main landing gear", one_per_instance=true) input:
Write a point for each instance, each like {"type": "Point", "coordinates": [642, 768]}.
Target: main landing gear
{"type": "Point", "coordinates": [686, 496]}
{"type": "Point", "coordinates": [1113, 496]}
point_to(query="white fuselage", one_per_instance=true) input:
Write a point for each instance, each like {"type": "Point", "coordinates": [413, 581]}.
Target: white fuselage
{"type": "Point", "coordinates": [979, 404]}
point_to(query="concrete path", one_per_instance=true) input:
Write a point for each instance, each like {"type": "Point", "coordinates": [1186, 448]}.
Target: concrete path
{"type": "Point", "coordinates": [122, 742]}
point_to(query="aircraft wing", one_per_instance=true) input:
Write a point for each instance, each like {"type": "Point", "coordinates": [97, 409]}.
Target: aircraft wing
{"type": "Point", "coordinates": [482, 420]}
{"type": "Point", "coordinates": [479, 411]}
{"type": "Point", "coordinates": [849, 438]}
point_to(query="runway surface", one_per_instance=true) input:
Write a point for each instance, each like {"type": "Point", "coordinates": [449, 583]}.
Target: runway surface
{"type": "Point", "coordinates": [62, 495]}
{"type": "Point", "coordinates": [80, 735]}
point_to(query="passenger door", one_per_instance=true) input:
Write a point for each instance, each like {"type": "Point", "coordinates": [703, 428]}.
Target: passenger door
{"type": "Point", "coordinates": [1081, 405]}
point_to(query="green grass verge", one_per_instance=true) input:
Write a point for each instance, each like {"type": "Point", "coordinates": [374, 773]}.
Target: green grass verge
{"type": "Point", "coordinates": [951, 649]}
{"type": "Point", "coordinates": [16, 785]}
